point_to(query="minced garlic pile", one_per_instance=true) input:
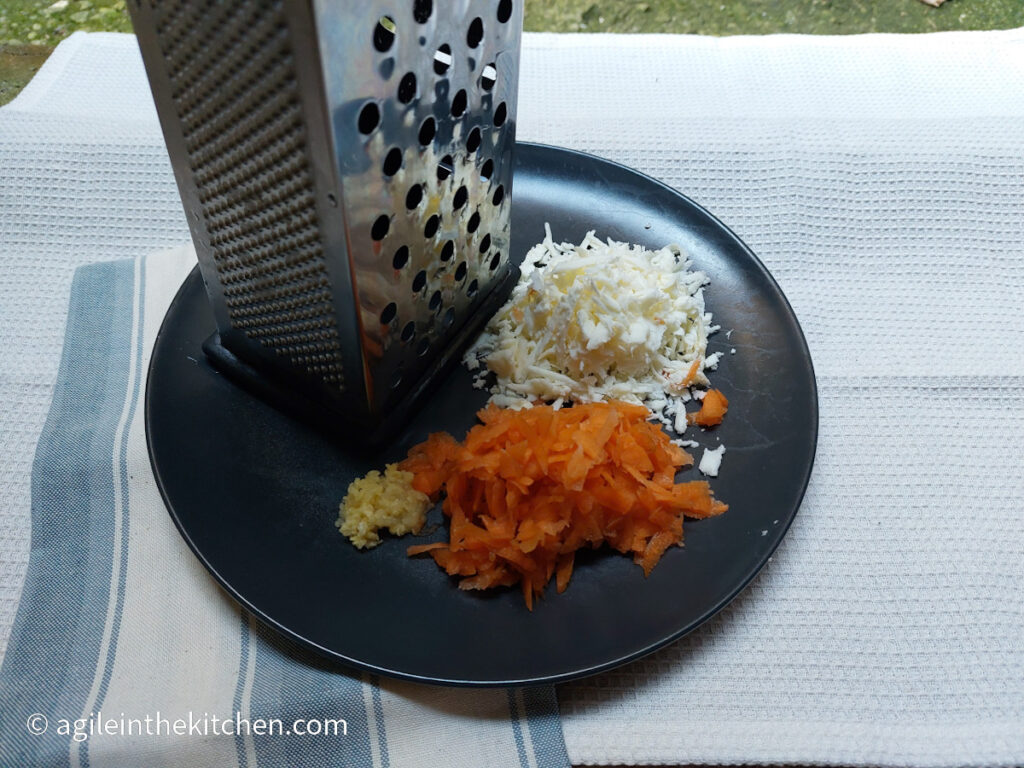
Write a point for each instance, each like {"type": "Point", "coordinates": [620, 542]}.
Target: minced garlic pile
{"type": "Point", "coordinates": [599, 321]}
{"type": "Point", "coordinates": [378, 501]}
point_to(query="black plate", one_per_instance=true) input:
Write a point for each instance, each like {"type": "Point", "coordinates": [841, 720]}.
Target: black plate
{"type": "Point", "coordinates": [256, 494]}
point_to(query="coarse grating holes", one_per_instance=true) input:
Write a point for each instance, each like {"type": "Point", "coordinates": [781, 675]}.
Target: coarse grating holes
{"type": "Point", "coordinates": [388, 314]}
{"type": "Point", "coordinates": [421, 10]}
{"type": "Point", "coordinates": [500, 115]}
{"type": "Point", "coordinates": [407, 88]}
{"type": "Point", "coordinates": [435, 301]}
{"type": "Point", "coordinates": [443, 59]}
{"type": "Point", "coordinates": [472, 288]}
{"type": "Point", "coordinates": [423, 347]}
{"type": "Point", "coordinates": [495, 261]}
{"type": "Point", "coordinates": [414, 196]}
{"type": "Point", "coordinates": [447, 250]}
{"type": "Point", "coordinates": [461, 196]}
{"type": "Point", "coordinates": [401, 257]}
{"type": "Point", "coordinates": [460, 272]}
{"type": "Point", "coordinates": [459, 102]}
{"type": "Point", "coordinates": [449, 317]}
{"type": "Point", "coordinates": [445, 168]}
{"type": "Point", "coordinates": [475, 33]}
{"type": "Point", "coordinates": [487, 170]}
{"type": "Point", "coordinates": [430, 228]}
{"type": "Point", "coordinates": [419, 281]}
{"type": "Point", "coordinates": [380, 227]}
{"type": "Point", "coordinates": [473, 223]}
{"type": "Point", "coordinates": [485, 244]}
{"type": "Point", "coordinates": [499, 195]}
{"type": "Point", "coordinates": [427, 131]}
{"type": "Point", "coordinates": [386, 68]}
{"type": "Point", "coordinates": [473, 140]}
{"type": "Point", "coordinates": [384, 34]}
{"type": "Point", "coordinates": [409, 332]}
{"type": "Point", "coordinates": [504, 10]}
{"type": "Point", "coordinates": [392, 161]}
{"type": "Point", "coordinates": [369, 117]}
{"type": "Point", "coordinates": [489, 77]}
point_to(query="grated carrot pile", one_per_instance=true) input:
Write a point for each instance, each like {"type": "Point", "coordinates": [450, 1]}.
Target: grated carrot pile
{"type": "Point", "coordinates": [527, 488]}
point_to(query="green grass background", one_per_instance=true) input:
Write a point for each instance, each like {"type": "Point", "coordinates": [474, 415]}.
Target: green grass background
{"type": "Point", "coordinates": [29, 29]}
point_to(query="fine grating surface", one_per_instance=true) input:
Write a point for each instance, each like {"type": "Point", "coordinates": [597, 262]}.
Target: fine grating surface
{"type": "Point", "coordinates": [233, 83]}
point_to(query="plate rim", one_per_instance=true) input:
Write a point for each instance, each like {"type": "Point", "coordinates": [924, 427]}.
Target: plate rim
{"type": "Point", "coordinates": [576, 674]}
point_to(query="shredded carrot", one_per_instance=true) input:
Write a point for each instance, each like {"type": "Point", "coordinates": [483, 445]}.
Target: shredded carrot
{"type": "Point", "coordinates": [528, 488]}
{"type": "Point", "coordinates": [712, 410]}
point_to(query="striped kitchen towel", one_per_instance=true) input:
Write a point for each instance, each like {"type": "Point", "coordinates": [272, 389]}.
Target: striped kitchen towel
{"type": "Point", "coordinates": [125, 652]}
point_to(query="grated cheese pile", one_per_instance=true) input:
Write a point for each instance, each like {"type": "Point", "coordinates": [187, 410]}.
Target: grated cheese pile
{"type": "Point", "coordinates": [599, 321]}
{"type": "Point", "coordinates": [377, 501]}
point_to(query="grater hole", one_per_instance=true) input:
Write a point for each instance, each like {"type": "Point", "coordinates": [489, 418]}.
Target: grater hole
{"type": "Point", "coordinates": [473, 140]}
{"type": "Point", "coordinates": [421, 10]}
{"type": "Point", "coordinates": [461, 196]}
{"type": "Point", "coordinates": [423, 347]}
{"type": "Point", "coordinates": [495, 261]}
{"type": "Point", "coordinates": [487, 170]}
{"type": "Point", "coordinates": [435, 301]}
{"type": "Point", "coordinates": [430, 229]}
{"type": "Point", "coordinates": [475, 33]}
{"type": "Point", "coordinates": [427, 131]}
{"type": "Point", "coordinates": [384, 34]}
{"type": "Point", "coordinates": [380, 227]}
{"type": "Point", "coordinates": [409, 332]}
{"type": "Point", "coordinates": [459, 104]}
{"type": "Point", "coordinates": [369, 117]}
{"type": "Point", "coordinates": [445, 168]}
{"type": "Point", "coordinates": [474, 222]}
{"type": "Point", "coordinates": [389, 313]}
{"type": "Point", "coordinates": [449, 317]}
{"type": "Point", "coordinates": [392, 161]}
{"type": "Point", "coordinates": [401, 257]}
{"type": "Point", "coordinates": [419, 281]}
{"type": "Point", "coordinates": [499, 195]}
{"type": "Point", "coordinates": [414, 196]}
{"type": "Point", "coordinates": [504, 10]}
{"type": "Point", "coordinates": [460, 272]}
{"type": "Point", "coordinates": [485, 244]}
{"type": "Point", "coordinates": [407, 88]}
{"type": "Point", "coordinates": [443, 59]}
{"type": "Point", "coordinates": [500, 114]}
{"type": "Point", "coordinates": [447, 250]}
{"type": "Point", "coordinates": [472, 288]}
{"type": "Point", "coordinates": [489, 77]}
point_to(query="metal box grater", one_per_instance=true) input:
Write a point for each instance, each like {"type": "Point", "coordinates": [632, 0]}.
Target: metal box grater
{"type": "Point", "coordinates": [346, 170]}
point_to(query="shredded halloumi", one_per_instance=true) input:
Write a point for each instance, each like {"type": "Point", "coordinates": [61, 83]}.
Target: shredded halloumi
{"type": "Point", "coordinates": [711, 461]}
{"type": "Point", "coordinates": [602, 320]}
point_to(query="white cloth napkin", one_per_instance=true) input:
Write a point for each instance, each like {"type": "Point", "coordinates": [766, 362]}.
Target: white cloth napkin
{"type": "Point", "coordinates": [881, 180]}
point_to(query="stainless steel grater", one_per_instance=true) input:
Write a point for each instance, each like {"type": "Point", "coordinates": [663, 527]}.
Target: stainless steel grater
{"type": "Point", "coordinates": [346, 170]}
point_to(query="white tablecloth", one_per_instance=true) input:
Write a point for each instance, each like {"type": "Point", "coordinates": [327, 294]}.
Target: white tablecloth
{"type": "Point", "coordinates": [881, 180]}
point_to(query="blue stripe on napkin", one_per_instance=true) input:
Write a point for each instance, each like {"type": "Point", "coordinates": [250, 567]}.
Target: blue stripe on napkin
{"type": "Point", "coordinates": [55, 643]}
